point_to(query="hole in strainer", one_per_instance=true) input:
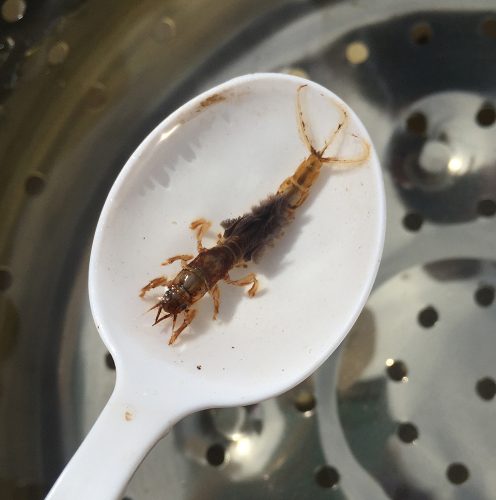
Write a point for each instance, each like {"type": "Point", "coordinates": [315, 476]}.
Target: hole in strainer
{"type": "Point", "coordinates": [428, 317]}
{"type": "Point", "coordinates": [457, 473]}
{"type": "Point", "coordinates": [486, 115]}
{"type": "Point", "coordinates": [417, 123]}
{"type": "Point", "coordinates": [486, 207]}
{"type": "Point", "coordinates": [486, 388]}
{"type": "Point", "coordinates": [327, 476]}
{"type": "Point", "coordinates": [305, 401]}
{"type": "Point", "coordinates": [5, 278]}
{"type": "Point", "coordinates": [34, 184]}
{"type": "Point", "coordinates": [489, 27]}
{"type": "Point", "coordinates": [421, 33]}
{"type": "Point", "coordinates": [484, 296]}
{"type": "Point", "coordinates": [407, 432]}
{"type": "Point", "coordinates": [216, 455]}
{"type": "Point", "coordinates": [413, 221]}
{"type": "Point", "coordinates": [396, 370]}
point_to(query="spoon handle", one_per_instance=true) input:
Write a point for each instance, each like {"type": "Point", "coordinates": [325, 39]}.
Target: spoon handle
{"type": "Point", "coordinates": [117, 443]}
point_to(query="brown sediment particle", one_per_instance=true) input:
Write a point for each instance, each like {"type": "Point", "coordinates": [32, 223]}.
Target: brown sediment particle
{"type": "Point", "coordinates": [213, 99]}
{"type": "Point", "coordinates": [128, 416]}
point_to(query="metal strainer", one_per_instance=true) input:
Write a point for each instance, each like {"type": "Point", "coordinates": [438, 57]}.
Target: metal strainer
{"type": "Point", "coordinates": [405, 409]}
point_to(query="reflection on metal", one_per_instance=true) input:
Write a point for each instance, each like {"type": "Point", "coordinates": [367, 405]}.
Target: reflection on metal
{"type": "Point", "coordinates": [455, 166]}
{"type": "Point", "coordinates": [164, 29]}
{"type": "Point", "coordinates": [58, 53]}
{"type": "Point", "coordinates": [13, 10]}
{"type": "Point", "coordinates": [453, 156]}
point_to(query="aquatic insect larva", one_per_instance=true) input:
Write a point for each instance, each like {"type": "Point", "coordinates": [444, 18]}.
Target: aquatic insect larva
{"type": "Point", "coordinates": [245, 237]}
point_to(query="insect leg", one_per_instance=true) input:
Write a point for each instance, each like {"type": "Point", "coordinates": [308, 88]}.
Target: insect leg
{"type": "Point", "coordinates": [184, 258]}
{"type": "Point", "coordinates": [188, 318]}
{"type": "Point", "coordinates": [247, 280]}
{"type": "Point", "coordinates": [200, 226]}
{"type": "Point", "coordinates": [215, 293]}
{"type": "Point", "coordinates": [161, 280]}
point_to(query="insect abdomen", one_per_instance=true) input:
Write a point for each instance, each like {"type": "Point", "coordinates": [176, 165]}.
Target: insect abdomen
{"type": "Point", "coordinates": [254, 231]}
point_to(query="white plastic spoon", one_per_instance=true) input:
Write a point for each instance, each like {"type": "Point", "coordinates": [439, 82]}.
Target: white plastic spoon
{"type": "Point", "coordinates": [215, 157]}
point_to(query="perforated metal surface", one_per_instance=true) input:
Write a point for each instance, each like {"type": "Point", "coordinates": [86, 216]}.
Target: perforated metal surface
{"type": "Point", "coordinates": [405, 409]}
{"type": "Point", "coordinates": [421, 402]}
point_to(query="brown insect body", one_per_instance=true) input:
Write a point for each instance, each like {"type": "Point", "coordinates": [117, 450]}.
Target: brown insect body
{"type": "Point", "coordinates": [244, 238]}
{"type": "Point", "coordinates": [197, 278]}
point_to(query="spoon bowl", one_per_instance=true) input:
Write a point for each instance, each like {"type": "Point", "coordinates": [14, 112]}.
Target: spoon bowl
{"type": "Point", "coordinates": [215, 157]}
